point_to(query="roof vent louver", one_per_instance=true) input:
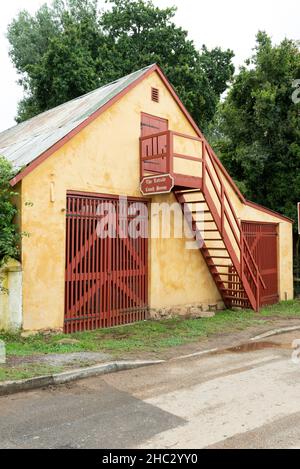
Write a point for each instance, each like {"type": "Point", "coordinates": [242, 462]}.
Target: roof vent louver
{"type": "Point", "coordinates": [155, 95]}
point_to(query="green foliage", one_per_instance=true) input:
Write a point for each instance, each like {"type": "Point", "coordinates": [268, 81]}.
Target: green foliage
{"type": "Point", "coordinates": [70, 48]}
{"type": "Point", "coordinates": [257, 128]}
{"type": "Point", "coordinates": [9, 235]}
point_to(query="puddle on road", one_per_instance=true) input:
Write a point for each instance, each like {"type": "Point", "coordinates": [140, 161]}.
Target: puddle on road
{"type": "Point", "coordinates": [253, 346]}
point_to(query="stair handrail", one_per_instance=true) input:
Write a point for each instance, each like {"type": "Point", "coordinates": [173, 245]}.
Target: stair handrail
{"type": "Point", "coordinates": [234, 215]}
{"type": "Point", "coordinates": [215, 160]}
{"type": "Point", "coordinates": [237, 234]}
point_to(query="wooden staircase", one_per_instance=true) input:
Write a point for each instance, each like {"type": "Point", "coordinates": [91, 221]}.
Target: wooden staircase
{"type": "Point", "coordinates": [206, 203]}
{"type": "Point", "coordinates": [217, 230]}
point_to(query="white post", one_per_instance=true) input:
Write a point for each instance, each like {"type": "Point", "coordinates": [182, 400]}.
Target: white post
{"type": "Point", "coordinates": [11, 296]}
{"type": "Point", "coordinates": [2, 352]}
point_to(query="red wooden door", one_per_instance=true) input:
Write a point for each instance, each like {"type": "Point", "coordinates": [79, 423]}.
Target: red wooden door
{"type": "Point", "coordinates": [106, 277]}
{"type": "Point", "coordinates": [151, 125]}
{"type": "Point", "coordinates": [262, 239]}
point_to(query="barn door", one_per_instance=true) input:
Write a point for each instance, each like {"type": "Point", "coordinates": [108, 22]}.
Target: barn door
{"type": "Point", "coordinates": [152, 125]}
{"type": "Point", "coordinates": [106, 277]}
{"type": "Point", "coordinates": [262, 239]}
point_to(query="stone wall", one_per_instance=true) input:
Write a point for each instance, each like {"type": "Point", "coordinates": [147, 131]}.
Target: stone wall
{"type": "Point", "coordinates": [187, 311]}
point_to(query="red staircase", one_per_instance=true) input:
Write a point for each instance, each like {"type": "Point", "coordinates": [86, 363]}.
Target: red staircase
{"type": "Point", "coordinates": [218, 230]}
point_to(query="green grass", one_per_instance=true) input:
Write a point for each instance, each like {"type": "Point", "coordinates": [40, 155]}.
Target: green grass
{"type": "Point", "coordinates": [284, 309]}
{"type": "Point", "coordinates": [150, 336]}
{"type": "Point", "coordinates": [24, 371]}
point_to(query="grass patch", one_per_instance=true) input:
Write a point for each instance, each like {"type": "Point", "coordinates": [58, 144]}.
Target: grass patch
{"type": "Point", "coordinates": [284, 309]}
{"type": "Point", "coordinates": [148, 336]}
{"type": "Point", "coordinates": [24, 371]}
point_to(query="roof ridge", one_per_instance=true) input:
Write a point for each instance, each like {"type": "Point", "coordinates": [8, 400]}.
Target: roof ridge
{"type": "Point", "coordinates": [25, 142]}
{"type": "Point", "coordinates": [21, 124]}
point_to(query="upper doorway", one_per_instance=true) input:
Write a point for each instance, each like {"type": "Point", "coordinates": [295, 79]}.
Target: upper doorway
{"type": "Point", "coordinates": [152, 125]}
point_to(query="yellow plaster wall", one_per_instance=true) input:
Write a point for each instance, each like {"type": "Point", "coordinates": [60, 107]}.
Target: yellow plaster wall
{"type": "Point", "coordinates": [178, 274]}
{"type": "Point", "coordinates": [102, 158]}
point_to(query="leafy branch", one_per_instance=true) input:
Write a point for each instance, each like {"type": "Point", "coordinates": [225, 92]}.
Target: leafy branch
{"type": "Point", "coordinates": [9, 233]}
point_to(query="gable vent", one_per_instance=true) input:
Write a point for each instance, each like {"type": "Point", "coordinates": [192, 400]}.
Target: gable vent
{"type": "Point", "coordinates": [155, 95]}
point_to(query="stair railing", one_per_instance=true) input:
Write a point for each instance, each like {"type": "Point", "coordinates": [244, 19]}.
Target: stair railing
{"type": "Point", "coordinates": [244, 264]}
{"type": "Point", "coordinates": [156, 147]}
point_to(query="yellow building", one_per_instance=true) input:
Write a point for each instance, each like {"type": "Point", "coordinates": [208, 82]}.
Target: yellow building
{"type": "Point", "coordinates": [81, 266]}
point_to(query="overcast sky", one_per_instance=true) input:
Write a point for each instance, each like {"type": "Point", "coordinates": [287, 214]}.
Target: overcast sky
{"type": "Point", "coordinates": [230, 24]}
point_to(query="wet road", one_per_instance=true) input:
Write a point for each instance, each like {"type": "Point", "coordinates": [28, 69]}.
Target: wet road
{"type": "Point", "coordinates": [246, 397]}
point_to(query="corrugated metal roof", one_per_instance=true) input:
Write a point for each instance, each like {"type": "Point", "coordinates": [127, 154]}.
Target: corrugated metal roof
{"type": "Point", "coordinates": [24, 142]}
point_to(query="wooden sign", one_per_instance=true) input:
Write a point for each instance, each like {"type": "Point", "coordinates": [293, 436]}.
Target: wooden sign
{"type": "Point", "coordinates": [152, 185]}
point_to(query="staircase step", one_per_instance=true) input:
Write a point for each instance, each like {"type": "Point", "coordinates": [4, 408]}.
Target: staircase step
{"type": "Point", "coordinates": [233, 290]}
{"type": "Point", "coordinates": [241, 304]}
{"type": "Point", "coordinates": [228, 281]}
{"type": "Point", "coordinates": [195, 201]}
{"type": "Point", "coordinates": [221, 273]}
{"type": "Point", "coordinates": [191, 191]}
{"type": "Point", "coordinates": [237, 301]}
{"type": "Point", "coordinates": [228, 297]}
{"type": "Point", "coordinates": [217, 257]}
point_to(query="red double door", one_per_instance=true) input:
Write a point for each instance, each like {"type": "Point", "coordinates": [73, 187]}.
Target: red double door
{"type": "Point", "coordinates": [262, 239]}
{"type": "Point", "coordinates": [106, 277]}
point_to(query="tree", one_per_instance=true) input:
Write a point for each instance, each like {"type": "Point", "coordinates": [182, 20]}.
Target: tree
{"type": "Point", "coordinates": [70, 48]}
{"type": "Point", "coordinates": [257, 129]}
{"type": "Point", "coordinates": [9, 234]}
{"type": "Point", "coordinates": [56, 53]}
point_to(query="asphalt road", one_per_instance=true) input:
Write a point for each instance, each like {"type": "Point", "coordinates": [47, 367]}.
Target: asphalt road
{"type": "Point", "coordinates": [244, 398]}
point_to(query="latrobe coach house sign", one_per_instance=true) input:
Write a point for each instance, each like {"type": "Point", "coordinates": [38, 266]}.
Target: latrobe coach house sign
{"type": "Point", "coordinates": [162, 184]}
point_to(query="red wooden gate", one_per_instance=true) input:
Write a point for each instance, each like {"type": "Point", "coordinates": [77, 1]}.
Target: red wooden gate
{"type": "Point", "coordinates": [106, 277]}
{"type": "Point", "coordinates": [262, 240]}
{"type": "Point", "coordinates": [152, 125]}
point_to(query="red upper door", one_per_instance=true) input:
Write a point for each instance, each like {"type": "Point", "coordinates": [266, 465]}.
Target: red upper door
{"type": "Point", "coordinates": [152, 125]}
